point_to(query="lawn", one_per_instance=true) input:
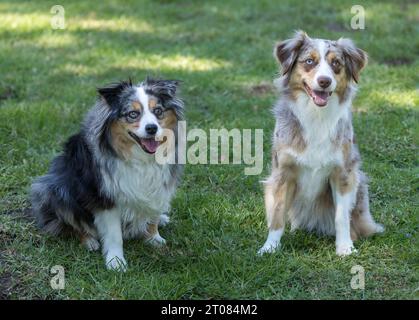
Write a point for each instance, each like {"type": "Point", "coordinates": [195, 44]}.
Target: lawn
{"type": "Point", "coordinates": [222, 51]}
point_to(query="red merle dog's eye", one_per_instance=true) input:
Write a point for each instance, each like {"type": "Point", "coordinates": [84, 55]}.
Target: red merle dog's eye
{"type": "Point", "coordinates": [309, 61]}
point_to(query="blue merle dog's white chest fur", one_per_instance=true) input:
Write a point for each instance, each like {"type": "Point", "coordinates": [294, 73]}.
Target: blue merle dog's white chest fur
{"type": "Point", "coordinates": [142, 191]}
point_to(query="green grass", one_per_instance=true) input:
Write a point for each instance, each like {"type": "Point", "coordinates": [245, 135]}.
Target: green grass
{"type": "Point", "coordinates": [221, 50]}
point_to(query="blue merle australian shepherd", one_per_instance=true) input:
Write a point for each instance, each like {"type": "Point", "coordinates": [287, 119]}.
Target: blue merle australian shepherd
{"type": "Point", "coordinates": [106, 185]}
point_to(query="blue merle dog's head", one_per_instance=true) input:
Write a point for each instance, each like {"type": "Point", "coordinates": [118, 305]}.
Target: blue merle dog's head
{"type": "Point", "coordinates": [138, 114]}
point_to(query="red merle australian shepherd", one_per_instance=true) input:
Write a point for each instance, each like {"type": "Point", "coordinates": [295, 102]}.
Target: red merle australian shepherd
{"type": "Point", "coordinates": [316, 181]}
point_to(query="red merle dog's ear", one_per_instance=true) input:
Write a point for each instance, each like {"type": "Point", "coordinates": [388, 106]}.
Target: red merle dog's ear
{"type": "Point", "coordinates": [112, 92]}
{"type": "Point", "coordinates": [355, 58]}
{"type": "Point", "coordinates": [286, 52]}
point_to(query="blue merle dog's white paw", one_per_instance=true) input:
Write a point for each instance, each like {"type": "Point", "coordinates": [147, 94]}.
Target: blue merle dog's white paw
{"type": "Point", "coordinates": [164, 220]}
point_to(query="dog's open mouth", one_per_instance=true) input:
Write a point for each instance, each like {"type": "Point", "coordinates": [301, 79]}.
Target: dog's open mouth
{"type": "Point", "coordinates": [149, 145]}
{"type": "Point", "coordinates": [319, 97]}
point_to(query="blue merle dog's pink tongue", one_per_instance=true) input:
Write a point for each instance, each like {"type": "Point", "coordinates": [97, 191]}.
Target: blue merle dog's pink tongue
{"type": "Point", "coordinates": [150, 145]}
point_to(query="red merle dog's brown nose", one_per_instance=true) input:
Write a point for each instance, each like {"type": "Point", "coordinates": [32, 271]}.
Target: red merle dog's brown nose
{"type": "Point", "coordinates": [324, 82]}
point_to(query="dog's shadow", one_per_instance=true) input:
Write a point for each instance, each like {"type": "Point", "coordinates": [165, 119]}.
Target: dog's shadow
{"type": "Point", "coordinates": [305, 242]}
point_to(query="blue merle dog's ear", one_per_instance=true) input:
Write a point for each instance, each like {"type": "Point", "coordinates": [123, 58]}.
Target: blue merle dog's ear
{"type": "Point", "coordinates": [164, 89]}
{"type": "Point", "coordinates": [112, 92]}
{"type": "Point", "coordinates": [355, 58]}
{"type": "Point", "coordinates": [286, 52]}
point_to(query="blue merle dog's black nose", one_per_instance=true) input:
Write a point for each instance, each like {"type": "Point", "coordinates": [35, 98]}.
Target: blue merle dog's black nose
{"type": "Point", "coordinates": [151, 129]}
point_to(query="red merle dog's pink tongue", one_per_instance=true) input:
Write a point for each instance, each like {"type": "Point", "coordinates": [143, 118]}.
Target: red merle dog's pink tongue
{"type": "Point", "coordinates": [150, 145]}
{"type": "Point", "coordinates": [320, 97]}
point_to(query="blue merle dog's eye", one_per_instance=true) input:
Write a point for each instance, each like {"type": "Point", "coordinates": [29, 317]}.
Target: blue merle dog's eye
{"type": "Point", "coordinates": [309, 61]}
{"type": "Point", "coordinates": [133, 115]}
{"type": "Point", "coordinates": [158, 111]}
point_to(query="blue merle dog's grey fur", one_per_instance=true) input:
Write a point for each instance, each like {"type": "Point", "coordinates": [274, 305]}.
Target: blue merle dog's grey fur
{"type": "Point", "coordinates": [66, 198]}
